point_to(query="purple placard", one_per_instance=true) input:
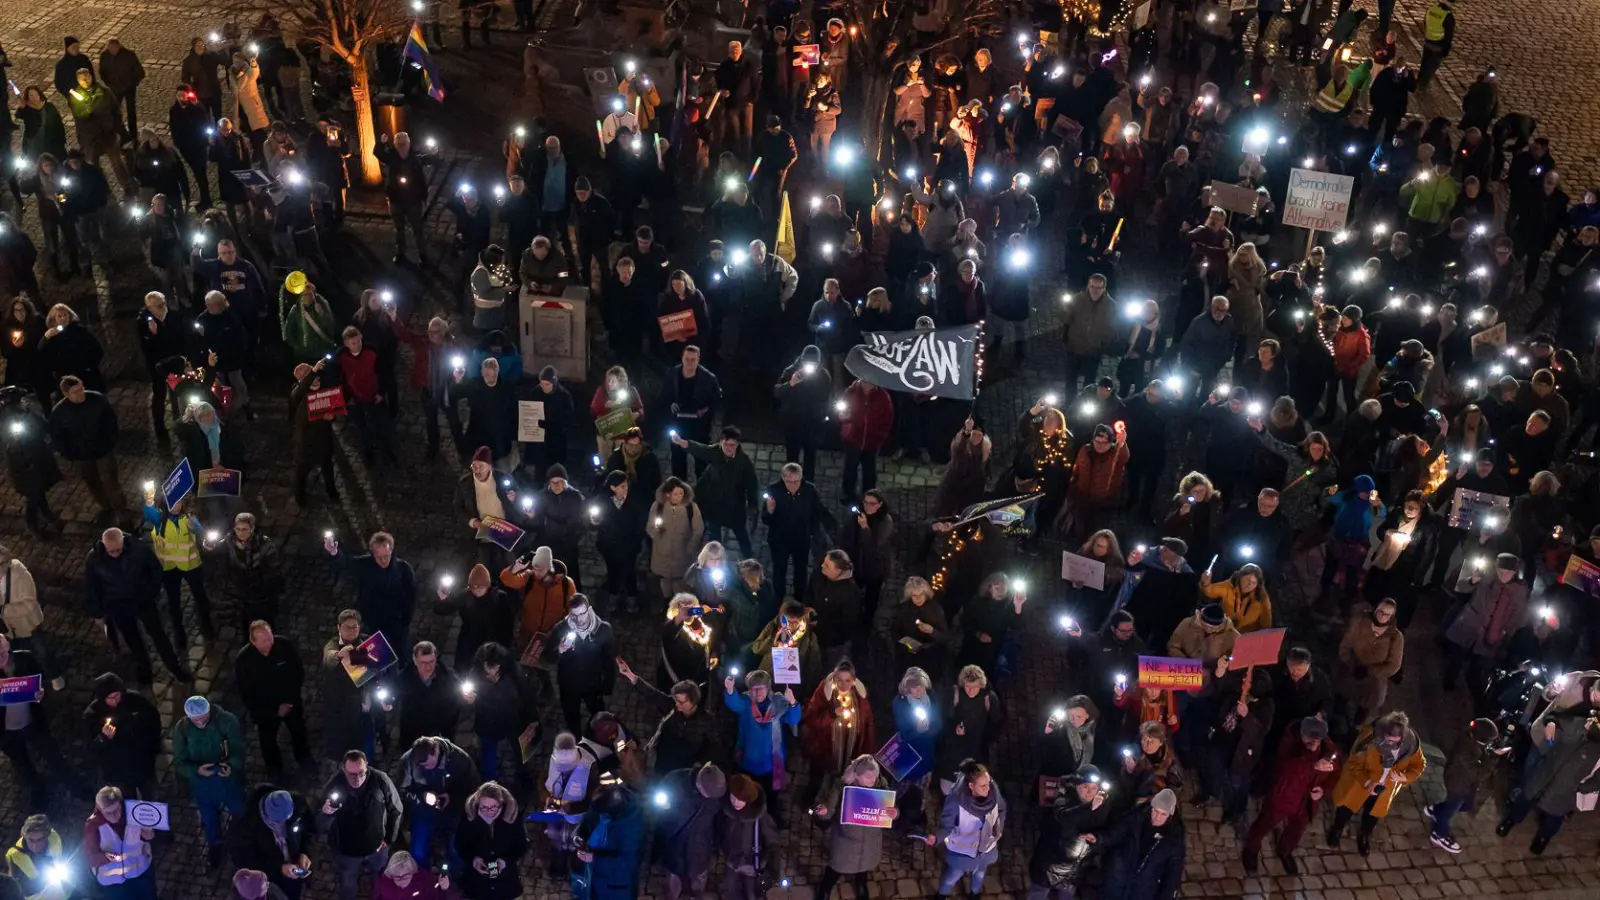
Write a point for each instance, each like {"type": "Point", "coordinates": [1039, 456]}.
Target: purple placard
{"type": "Point", "coordinates": [867, 807]}
{"type": "Point", "coordinates": [22, 689]}
{"type": "Point", "coordinates": [501, 533]}
{"type": "Point", "coordinates": [220, 483]}
{"type": "Point", "coordinates": [369, 659]}
{"type": "Point", "coordinates": [897, 757]}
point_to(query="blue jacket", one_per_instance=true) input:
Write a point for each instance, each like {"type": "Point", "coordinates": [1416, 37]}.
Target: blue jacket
{"type": "Point", "coordinates": [905, 720]}
{"type": "Point", "coordinates": [615, 841]}
{"type": "Point", "coordinates": [759, 750]}
{"type": "Point", "coordinates": [1353, 516]}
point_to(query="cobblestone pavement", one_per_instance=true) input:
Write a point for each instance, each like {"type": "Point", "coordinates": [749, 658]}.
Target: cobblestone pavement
{"type": "Point", "coordinates": [1542, 73]}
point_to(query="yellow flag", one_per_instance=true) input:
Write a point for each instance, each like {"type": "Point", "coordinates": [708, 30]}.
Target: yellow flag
{"type": "Point", "coordinates": [785, 247]}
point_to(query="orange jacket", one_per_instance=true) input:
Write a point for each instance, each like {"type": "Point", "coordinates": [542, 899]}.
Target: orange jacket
{"type": "Point", "coordinates": [543, 604]}
{"type": "Point", "coordinates": [1350, 350]}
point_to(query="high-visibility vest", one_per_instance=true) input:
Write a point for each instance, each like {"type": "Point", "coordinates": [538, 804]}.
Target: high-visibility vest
{"type": "Point", "coordinates": [175, 544]}
{"type": "Point", "coordinates": [1433, 23]}
{"type": "Point", "coordinates": [1335, 96]}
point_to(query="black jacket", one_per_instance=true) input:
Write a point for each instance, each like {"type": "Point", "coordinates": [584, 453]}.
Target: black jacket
{"type": "Point", "coordinates": [795, 517]}
{"type": "Point", "coordinates": [29, 459]}
{"type": "Point", "coordinates": [84, 431]}
{"type": "Point", "coordinates": [118, 586]}
{"type": "Point", "coordinates": [504, 707]}
{"type": "Point", "coordinates": [266, 681]}
{"type": "Point", "coordinates": [454, 776]}
{"type": "Point", "coordinates": [1143, 862]}
{"type": "Point", "coordinates": [366, 816]}
{"type": "Point", "coordinates": [505, 842]}
{"type": "Point", "coordinates": [251, 843]}
{"type": "Point", "coordinates": [385, 597]}
{"type": "Point", "coordinates": [490, 618]}
{"type": "Point", "coordinates": [1059, 856]}
{"type": "Point", "coordinates": [838, 608]}
{"type": "Point", "coordinates": [128, 757]}
{"type": "Point", "coordinates": [681, 741]}
{"type": "Point", "coordinates": [588, 666]}
{"type": "Point", "coordinates": [73, 351]}
{"type": "Point", "coordinates": [428, 709]}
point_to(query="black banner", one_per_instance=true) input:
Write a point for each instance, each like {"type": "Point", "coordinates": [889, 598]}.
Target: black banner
{"type": "Point", "coordinates": [939, 362]}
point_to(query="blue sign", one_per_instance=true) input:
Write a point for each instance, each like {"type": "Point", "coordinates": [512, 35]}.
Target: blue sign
{"type": "Point", "coordinates": [178, 484]}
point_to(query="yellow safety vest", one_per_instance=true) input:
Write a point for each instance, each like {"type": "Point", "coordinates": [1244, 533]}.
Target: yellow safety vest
{"type": "Point", "coordinates": [1433, 23]}
{"type": "Point", "coordinates": [1335, 96]}
{"type": "Point", "coordinates": [19, 860]}
{"type": "Point", "coordinates": [175, 544]}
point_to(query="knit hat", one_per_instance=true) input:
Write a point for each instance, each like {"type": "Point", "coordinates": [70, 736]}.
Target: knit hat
{"type": "Point", "coordinates": [923, 269]}
{"type": "Point", "coordinates": [1508, 561]}
{"type": "Point", "coordinates": [479, 576]}
{"type": "Point", "coordinates": [1352, 312]}
{"type": "Point", "coordinates": [1176, 545]}
{"type": "Point", "coordinates": [1412, 346]}
{"type": "Point", "coordinates": [483, 455]}
{"type": "Point", "coordinates": [197, 706]}
{"type": "Point", "coordinates": [1404, 391]}
{"type": "Point", "coordinates": [543, 557]}
{"type": "Point", "coordinates": [106, 685]}
{"type": "Point", "coordinates": [549, 373]}
{"type": "Point", "coordinates": [811, 353]}
{"type": "Point", "coordinates": [556, 471]}
{"type": "Point", "coordinates": [1313, 728]}
{"type": "Point", "coordinates": [277, 807]}
{"type": "Point", "coordinates": [1484, 731]}
{"type": "Point", "coordinates": [1165, 801]}
{"type": "Point", "coordinates": [1328, 314]}
{"type": "Point", "coordinates": [250, 884]}
{"type": "Point", "coordinates": [1107, 382]}
{"type": "Point", "coordinates": [68, 41]}
{"type": "Point", "coordinates": [711, 782]}
{"type": "Point", "coordinates": [1488, 455]}
{"type": "Point", "coordinates": [1363, 484]}
{"type": "Point", "coordinates": [1212, 614]}
{"type": "Point", "coordinates": [744, 788]}
{"type": "Point", "coordinates": [1086, 774]}
{"type": "Point", "coordinates": [1239, 394]}
{"type": "Point", "coordinates": [1104, 430]}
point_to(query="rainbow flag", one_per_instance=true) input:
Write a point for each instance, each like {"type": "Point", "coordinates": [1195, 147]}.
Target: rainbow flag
{"type": "Point", "coordinates": [417, 52]}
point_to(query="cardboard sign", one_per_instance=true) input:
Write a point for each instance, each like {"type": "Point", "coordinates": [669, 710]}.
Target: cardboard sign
{"type": "Point", "coordinates": [678, 327]}
{"type": "Point", "coordinates": [369, 658]}
{"type": "Point", "coordinates": [528, 744]}
{"type": "Point", "coordinates": [806, 55]}
{"type": "Point", "coordinates": [534, 651]}
{"type": "Point", "coordinates": [897, 757]}
{"type": "Point", "coordinates": [1258, 648]}
{"type": "Point", "coordinates": [530, 421]}
{"type": "Point", "coordinates": [1048, 789]}
{"type": "Point", "coordinates": [602, 83]}
{"type": "Point", "coordinates": [1319, 201]}
{"type": "Point", "coordinates": [22, 689]}
{"type": "Point", "coordinates": [1582, 575]}
{"type": "Point", "coordinates": [1234, 198]}
{"type": "Point", "coordinates": [147, 814]}
{"type": "Point", "coordinates": [614, 422]}
{"type": "Point", "coordinates": [1489, 341]}
{"type": "Point", "coordinates": [220, 483]}
{"type": "Point", "coordinates": [786, 665]}
{"type": "Point", "coordinates": [326, 404]}
{"type": "Point", "coordinates": [1171, 673]}
{"type": "Point", "coordinates": [1091, 573]}
{"type": "Point", "coordinates": [178, 484]}
{"type": "Point", "coordinates": [1468, 509]}
{"type": "Point", "coordinates": [866, 807]}
{"type": "Point", "coordinates": [499, 532]}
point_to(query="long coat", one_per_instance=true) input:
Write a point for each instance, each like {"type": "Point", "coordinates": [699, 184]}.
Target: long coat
{"type": "Point", "coordinates": [851, 848]}
{"type": "Point", "coordinates": [678, 538]}
{"type": "Point", "coordinates": [1380, 655]}
{"type": "Point", "coordinates": [1364, 768]}
{"type": "Point", "coordinates": [1563, 769]}
{"type": "Point", "coordinates": [249, 112]}
{"type": "Point", "coordinates": [1477, 628]}
{"type": "Point", "coordinates": [1295, 774]}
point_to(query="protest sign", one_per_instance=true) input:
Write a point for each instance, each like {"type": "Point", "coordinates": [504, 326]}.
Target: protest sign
{"type": "Point", "coordinates": [1471, 509]}
{"type": "Point", "coordinates": [1489, 341]}
{"type": "Point", "coordinates": [325, 405]}
{"type": "Point", "coordinates": [369, 658]}
{"type": "Point", "coordinates": [21, 689]}
{"type": "Point", "coordinates": [786, 665]}
{"type": "Point", "coordinates": [1171, 673]}
{"type": "Point", "coordinates": [940, 363]}
{"type": "Point", "coordinates": [1319, 201]}
{"type": "Point", "coordinates": [1258, 648]}
{"type": "Point", "coordinates": [220, 483]}
{"type": "Point", "coordinates": [897, 757]}
{"type": "Point", "coordinates": [614, 422]}
{"type": "Point", "coordinates": [1091, 573]}
{"type": "Point", "coordinates": [1582, 575]}
{"type": "Point", "coordinates": [178, 484]}
{"type": "Point", "coordinates": [1234, 198]}
{"type": "Point", "coordinates": [530, 421]}
{"type": "Point", "coordinates": [148, 814]}
{"type": "Point", "coordinates": [867, 807]}
{"type": "Point", "coordinates": [806, 55]}
{"type": "Point", "coordinates": [677, 327]}
{"type": "Point", "coordinates": [499, 532]}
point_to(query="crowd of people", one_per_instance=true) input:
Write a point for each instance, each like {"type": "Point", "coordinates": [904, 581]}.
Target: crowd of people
{"type": "Point", "coordinates": [1338, 437]}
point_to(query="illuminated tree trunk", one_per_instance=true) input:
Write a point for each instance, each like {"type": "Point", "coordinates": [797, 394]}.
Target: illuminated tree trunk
{"type": "Point", "coordinates": [366, 131]}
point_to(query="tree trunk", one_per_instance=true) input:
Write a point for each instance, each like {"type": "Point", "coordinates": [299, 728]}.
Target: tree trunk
{"type": "Point", "coordinates": [876, 93]}
{"type": "Point", "coordinates": [366, 131]}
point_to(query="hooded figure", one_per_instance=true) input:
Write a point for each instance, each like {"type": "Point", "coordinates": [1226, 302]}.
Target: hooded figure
{"type": "Point", "coordinates": [124, 735]}
{"type": "Point", "coordinates": [749, 838]}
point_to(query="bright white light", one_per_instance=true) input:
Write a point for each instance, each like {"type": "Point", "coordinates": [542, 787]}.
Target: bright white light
{"type": "Point", "coordinates": [660, 799]}
{"type": "Point", "coordinates": [1253, 409]}
{"type": "Point", "coordinates": [1258, 135]}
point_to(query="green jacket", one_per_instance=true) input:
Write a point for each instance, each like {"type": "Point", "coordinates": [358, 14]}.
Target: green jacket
{"type": "Point", "coordinates": [96, 112]}
{"type": "Point", "coordinates": [1433, 200]}
{"type": "Point", "coordinates": [220, 741]}
{"type": "Point", "coordinates": [309, 334]}
{"type": "Point", "coordinates": [727, 490]}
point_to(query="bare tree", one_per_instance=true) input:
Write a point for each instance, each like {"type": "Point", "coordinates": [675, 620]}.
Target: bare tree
{"type": "Point", "coordinates": [348, 29]}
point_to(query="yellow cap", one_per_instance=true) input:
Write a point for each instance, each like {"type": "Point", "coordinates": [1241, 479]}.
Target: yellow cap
{"type": "Point", "coordinates": [296, 282]}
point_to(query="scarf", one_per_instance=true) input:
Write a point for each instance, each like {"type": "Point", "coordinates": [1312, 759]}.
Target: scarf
{"type": "Point", "coordinates": [768, 718]}
{"type": "Point", "coordinates": [1081, 739]}
{"type": "Point", "coordinates": [630, 457]}
{"type": "Point", "coordinates": [213, 433]}
{"type": "Point", "coordinates": [582, 632]}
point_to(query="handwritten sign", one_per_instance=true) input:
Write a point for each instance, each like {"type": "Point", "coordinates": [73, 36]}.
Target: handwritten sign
{"type": "Point", "coordinates": [867, 807]}
{"type": "Point", "coordinates": [677, 327]}
{"type": "Point", "coordinates": [1582, 575]}
{"type": "Point", "coordinates": [178, 484]}
{"type": "Point", "coordinates": [369, 658]}
{"type": "Point", "coordinates": [786, 665]}
{"type": "Point", "coordinates": [21, 689]}
{"type": "Point", "coordinates": [614, 422]}
{"type": "Point", "coordinates": [1258, 648]}
{"type": "Point", "coordinates": [1171, 673]}
{"type": "Point", "coordinates": [897, 757]}
{"type": "Point", "coordinates": [1489, 341]}
{"type": "Point", "coordinates": [1234, 198]}
{"type": "Point", "coordinates": [1091, 573]}
{"type": "Point", "coordinates": [530, 421]}
{"type": "Point", "coordinates": [1319, 201]}
{"type": "Point", "coordinates": [499, 532]}
{"type": "Point", "coordinates": [325, 405]}
{"type": "Point", "coordinates": [807, 55]}
{"type": "Point", "coordinates": [1469, 509]}
{"type": "Point", "coordinates": [148, 814]}
{"type": "Point", "coordinates": [220, 483]}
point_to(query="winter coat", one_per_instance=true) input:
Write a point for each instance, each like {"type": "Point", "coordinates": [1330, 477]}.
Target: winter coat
{"type": "Point", "coordinates": [852, 849]}
{"type": "Point", "coordinates": [490, 618]}
{"type": "Point", "coordinates": [687, 827]}
{"type": "Point", "coordinates": [871, 549]}
{"type": "Point", "coordinates": [971, 828]}
{"type": "Point", "coordinates": [1207, 345]}
{"type": "Point", "coordinates": [1097, 477]}
{"type": "Point", "coordinates": [1562, 770]}
{"type": "Point", "coordinates": [345, 707]}
{"type": "Point", "coordinates": [22, 613]}
{"type": "Point", "coordinates": [428, 708]}
{"type": "Point", "coordinates": [681, 741]}
{"type": "Point", "coordinates": [252, 845]}
{"type": "Point", "coordinates": [1249, 613]}
{"type": "Point", "coordinates": [678, 538]}
{"type": "Point", "coordinates": [1295, 774]}
{"type": "Point", "coordinates": [220, 741]}
{"type": "Point", "coordinates": [727, 489]}
{"type": "Point", "coordinates": [759, 749]}
{"type": "Point", "coordinates": [1143, 862]}
{"type": "Point", "coordinates": [821, 724]}
{"type": "Point", "coordinates": [1300, 500]}
{"type": "Point", "coordinates": [129, 755]}
{"type": "Point", "coordinates": [1490, 616]}
{"type": "Point", "coordinates": [836, 609]}
{"type": "Point", "coordinates": [1089, 328]}
{"type": "Point", "coordinates": [386, 596]}
{"type": "Point", "coordinates": [1060, 857]}
{"type": "Point", "coordinates": [249, 113]}
{"type": "Point", "coordinates": [504, 707]}
{"type": "Point", "coordinates": [264, 682]}
{"type": "Point", "coordinates": [490, 841]}
{"type": "Point", "coordinates": [366, 817]}
{"type": "Point", "coordinates": [981, 719]}
{"type": "Point", "coordinates": [1469, 770]}
{"type": "Point", "coordinates": [589, 664]}
{"type": "Point", "coordinates": [966, 477]}
{"type": "Point", "coordinates": [616, 841]}
{"type": "Point", "coordinates": [869, 417]}
{"type": "Point", "coordinates": [749, 838]}
{"type": "Point", "coordinates": [544, 601]}
{"type": "Point", "coordinates": [1190, 640]}
{"type": "Point", "coordinates": [1363, 768]}
{"type": "Point", "coordinates": [117, 587]}
{"type": "Point", "coordinates": [1351, 348]}
{"type": "Point", "coordinates": [1366, 661]}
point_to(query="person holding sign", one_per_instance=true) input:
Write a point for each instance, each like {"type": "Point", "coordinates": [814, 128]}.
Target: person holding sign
{"type": "Point", "coordinates": [1243, 597]}
{"type": "Point", "coordinates": [482, 493]}
{"type": "Point", "coordinates": [118, 851]}
{"type": "Point", "coordinates": [759, 751]}
{"type": "Point", "coordinates": [21, 690]}
{"type": "Point", "coordinates": [386, 587]}
{"type": "Point", "coordinates": [176, 536]}
{"type": "Point", "coordinates": [313, 417]}
{"type": "Point", "coordinates": [204, 744]}
{"type": "Point", "coordinates": [681, 316]}
{"type": "Point", "coordinates": [853, 850]}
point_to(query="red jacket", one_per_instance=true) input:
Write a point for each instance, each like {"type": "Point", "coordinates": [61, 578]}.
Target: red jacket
{"type": "Point", "coordinates": [598, 408]}
{"type": "Point", "coordinates": [868, 418]}
{"type": "Point", "coordinates": [1294, 774]}
{"type": "Point", "coordinates": [1097, 477]}
{"type": "Point", "coordinates": [359, 375]}
{"type": "Point", "coordinates": [1351, 347]}
{"type": "Point", "coordinates": [822, 717]}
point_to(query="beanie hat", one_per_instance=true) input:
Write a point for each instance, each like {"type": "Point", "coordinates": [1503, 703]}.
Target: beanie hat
{"type": "Point", "coordinates": [744, 788]}
{"type": "Point", "coordinates": [811, 353]}
{"type": "Point", "coordinates": [106, 685]}
{"type": "Point", "coordinates": [1176, 545]}
{"type": "Point", "coordinates": [1363, 484]}
{"type": "Point", "coordinates": [543, 557]}
{"type": "Point", "coordinates": [277, 807]}
{"type": "Point", "coordinates": [1239, 394]}
{"type": "Point", "coordinates": [1106, 381]}
{"type": "Point", "coordinates": [1404, 390]}
{"type": "Point", "coordinates": [1488, 455]}
{"type": "Point", "coordinates": [1412, 346]}
{"type": "Point", "coordinates": [549, 373]}
{"type": "Point", "coordinates": [1104, 430]}
{"type": "Point", "coordinates": [196, 706]}
{"type": "Point", "coordinates": [68, 41]}
{"type": "Point", "coordinates": [250, 883]}
{"type": "Point", "coordinates": [556, 471]}
{"type": "Point", "coordinates": [1352, 312]}
{"type": "Point", "coordinates": [483, 455]}
{"type": "Point", "coordinates": [711, 782]}
{"type": "Point", "coordinates": [1212, 614]}
{"type": "Point", "coordinates": [1508, 561]}
{"type": "Point", "coordinates": [479, 576]}
{"type": "Point", "coordinates": [1165, 800]}
{"type": "Point", "coordinates": [1484, 731]}
{"type": "Point", "coordinates": [1086, 774]}
{"type": "Point", "coordinates": [1313, 728]}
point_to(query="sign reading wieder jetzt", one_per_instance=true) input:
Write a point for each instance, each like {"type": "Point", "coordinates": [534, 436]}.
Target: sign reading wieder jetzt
{"type": "Point", "coordinates": [939, 362]}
